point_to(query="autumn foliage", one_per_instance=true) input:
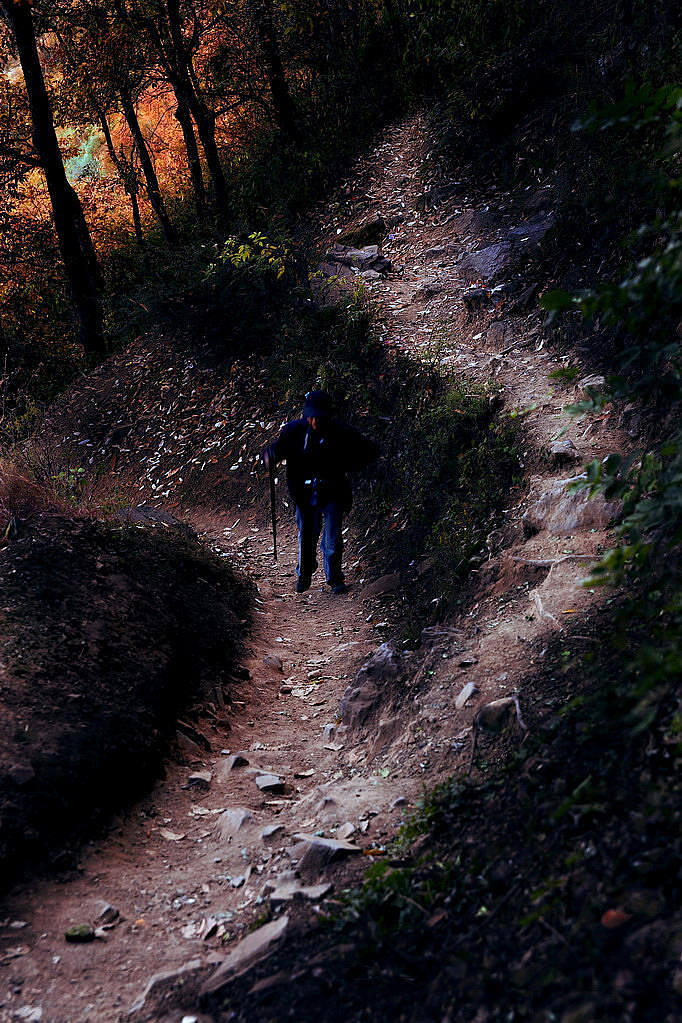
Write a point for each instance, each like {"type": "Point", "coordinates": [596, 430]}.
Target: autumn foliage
{"type": "Point", "coordinates": [134, 126]}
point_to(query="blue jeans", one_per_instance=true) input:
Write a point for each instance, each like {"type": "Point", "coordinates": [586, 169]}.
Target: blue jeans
{"type": "Point", "coordinates": [326, 520]}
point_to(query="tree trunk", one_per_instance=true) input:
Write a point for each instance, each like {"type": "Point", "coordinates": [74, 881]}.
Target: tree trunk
{"type": "Point", "coordinates": [194, 163]}
{"type": "Point", "coordinates": [153, 189]}
{"type": "Point", "coordinates": [74, 238]}
{"type": "Point", "coordinates": [125, 173]}
{"type": "Point", "coordinates": [204, 118]}
{"type": "Point", "coordinates": [285, 112]}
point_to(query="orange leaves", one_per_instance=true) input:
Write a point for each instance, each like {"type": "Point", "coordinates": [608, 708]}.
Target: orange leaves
{"type": "Point", "coordinates": [613, 918]}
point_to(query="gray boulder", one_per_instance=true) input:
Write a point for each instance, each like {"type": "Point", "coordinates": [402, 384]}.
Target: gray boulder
{"type": "Point", "coordinates": [269, 782]}
{"type": "Point", "coordinates": [362, 697]}
{"type": "Point", "coordinates": [231, 822]}
{"type": "Point", "coordinates": [484, 264]}
{"type": "Point", "coordinates": [163, 984]}
{"type": "Point", "coordinates": [246, 954]}
{"type": "Point", "coordinates": [562, 511]}
{"type": "Point", "coordinates": [314, 853]}
{"type": "Point", "coordinates": [563, 451]}
{"type": "Point", "coordinates": [427, 288]}
{"type": "Point", "coordinates": [531, 232]}
{"type": "Point", "coordinates": [288, 887]}
{"type": "Point", "coordinates": [367, 258]}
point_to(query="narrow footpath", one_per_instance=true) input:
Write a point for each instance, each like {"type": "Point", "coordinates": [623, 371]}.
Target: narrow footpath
{"type": "Point", "coordinates": [195, 864]}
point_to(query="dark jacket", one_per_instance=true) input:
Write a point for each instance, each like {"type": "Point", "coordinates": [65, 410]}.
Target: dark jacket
{"type": "Point", "coordinates": [318, 460]}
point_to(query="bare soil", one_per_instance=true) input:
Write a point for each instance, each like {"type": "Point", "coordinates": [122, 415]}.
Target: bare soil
{"type": "Point", "coordinates": [165, 865]}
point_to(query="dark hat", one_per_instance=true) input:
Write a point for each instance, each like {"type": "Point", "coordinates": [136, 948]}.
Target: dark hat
{"type": "Point", "coordinates": [318, 404]}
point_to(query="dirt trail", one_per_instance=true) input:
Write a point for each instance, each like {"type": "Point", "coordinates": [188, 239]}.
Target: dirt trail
{"type": "Point", "coordinates": [171, 890]}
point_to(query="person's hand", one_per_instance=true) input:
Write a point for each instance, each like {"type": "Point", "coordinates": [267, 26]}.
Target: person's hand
{"type": "Point", "coordinates": [268, 456]}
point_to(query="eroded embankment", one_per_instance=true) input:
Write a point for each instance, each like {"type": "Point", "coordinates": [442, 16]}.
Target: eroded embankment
{"type": "Point", "coordinates": [108, 630]}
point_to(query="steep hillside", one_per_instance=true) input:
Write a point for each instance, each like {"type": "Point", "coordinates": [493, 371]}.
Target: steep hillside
{"type": "Point", "coordinates": [110, 631]}
{"type": "Point", "coordinates": [477, 911]}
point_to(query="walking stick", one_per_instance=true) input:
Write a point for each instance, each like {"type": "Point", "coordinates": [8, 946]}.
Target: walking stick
{"type": "Point", "coordinates": [271, 471]}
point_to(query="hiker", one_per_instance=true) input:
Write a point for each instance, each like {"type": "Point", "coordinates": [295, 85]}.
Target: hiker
{"type": "Point", "coordinates": [319, 451]}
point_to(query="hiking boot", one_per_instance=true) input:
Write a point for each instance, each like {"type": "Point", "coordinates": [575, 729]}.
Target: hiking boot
{"type": "Point", "coordinates": [302, 584]}
{"type": "Point", "coordinates": [339, 588]}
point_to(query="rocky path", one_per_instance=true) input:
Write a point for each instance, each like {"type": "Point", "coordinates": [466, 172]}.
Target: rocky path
{"type": "Point", "coordinates": [196, 862]}
{"type": "Point", "coordinates": [462, 292]}
{"type": "Point", "coordinates": [188, 868]}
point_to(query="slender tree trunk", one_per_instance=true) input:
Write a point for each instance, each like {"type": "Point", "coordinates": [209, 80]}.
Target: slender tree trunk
{"type": "Point", "coordinates": [125, 173]}
{"type": "Point", "coordinates": [185, 90]}
{"type": "Point", "coordinates": [193, 161]}
{"type": "Point", "coordinates": [285, 112]}
{"type": "Point", "coordinates": [74, 238]}
{"type": "Point", "coordinates": [204, 118]}
{"type": "Point", "coordinates": [153, 189]}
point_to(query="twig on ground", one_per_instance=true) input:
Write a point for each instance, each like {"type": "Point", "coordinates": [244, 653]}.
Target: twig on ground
{"type": "Point", "coordinates": [553, 562]}
{"type": "Point", "coordinates": [542, 612]}
{"type": "Point", "coordinates": [557, 935]}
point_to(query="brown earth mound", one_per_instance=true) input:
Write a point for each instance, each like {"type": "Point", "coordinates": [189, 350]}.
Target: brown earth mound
{"type": "Point", "coordinates": [106, 630]}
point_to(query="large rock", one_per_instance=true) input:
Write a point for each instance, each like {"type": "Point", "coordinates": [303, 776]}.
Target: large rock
{"type": "Point", "coordinates": [367, 258]}
{"type": "Point", "coordinates": [386, 733]}
{"type": "Point", "coordinates": [270, 782]}
{"type": "Point", "coordinates": [562, 511]}
{"type": "Point", "coordinates": [369, 233]}
{"type": "Point", "coordinates": [384, 584]}
{"type": "Point", "coordinates": [564, 451]}
{"type": "Point", "coordinates": [531, 232]}
{"type": "Point", "coordinates": [474, 222]}
{"type": "Point", "coordinates": [288, 886]}
{"type": "Point", "coordinates": [497, 715]}
{"type": "Point", "coordinates": [162, 985]}
{"type": "Point", "coordinates": [465, 694]}
{"type": "Point", "coordinates": [246, 954]}
{"type": "Point", "coordinates": [484, 264]}
{"type": "Point", "coordinates": [314, 853]}
{"type": "Point", "coordinates": [362, 697]}
{"type": "Point", "coordinates": [232, 763]}
{"type": "Point", "coordinates": [437, 194]}
{"type": "Point", "coordinates": [436, 636]}
{"type": "Point", "coordinates": [230, 822]}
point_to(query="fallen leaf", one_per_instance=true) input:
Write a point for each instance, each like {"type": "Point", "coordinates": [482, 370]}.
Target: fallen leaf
{"type": "Point", "coordinates": [171, 836]}
{"type": "Point", "coordinates": [613, 918]}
